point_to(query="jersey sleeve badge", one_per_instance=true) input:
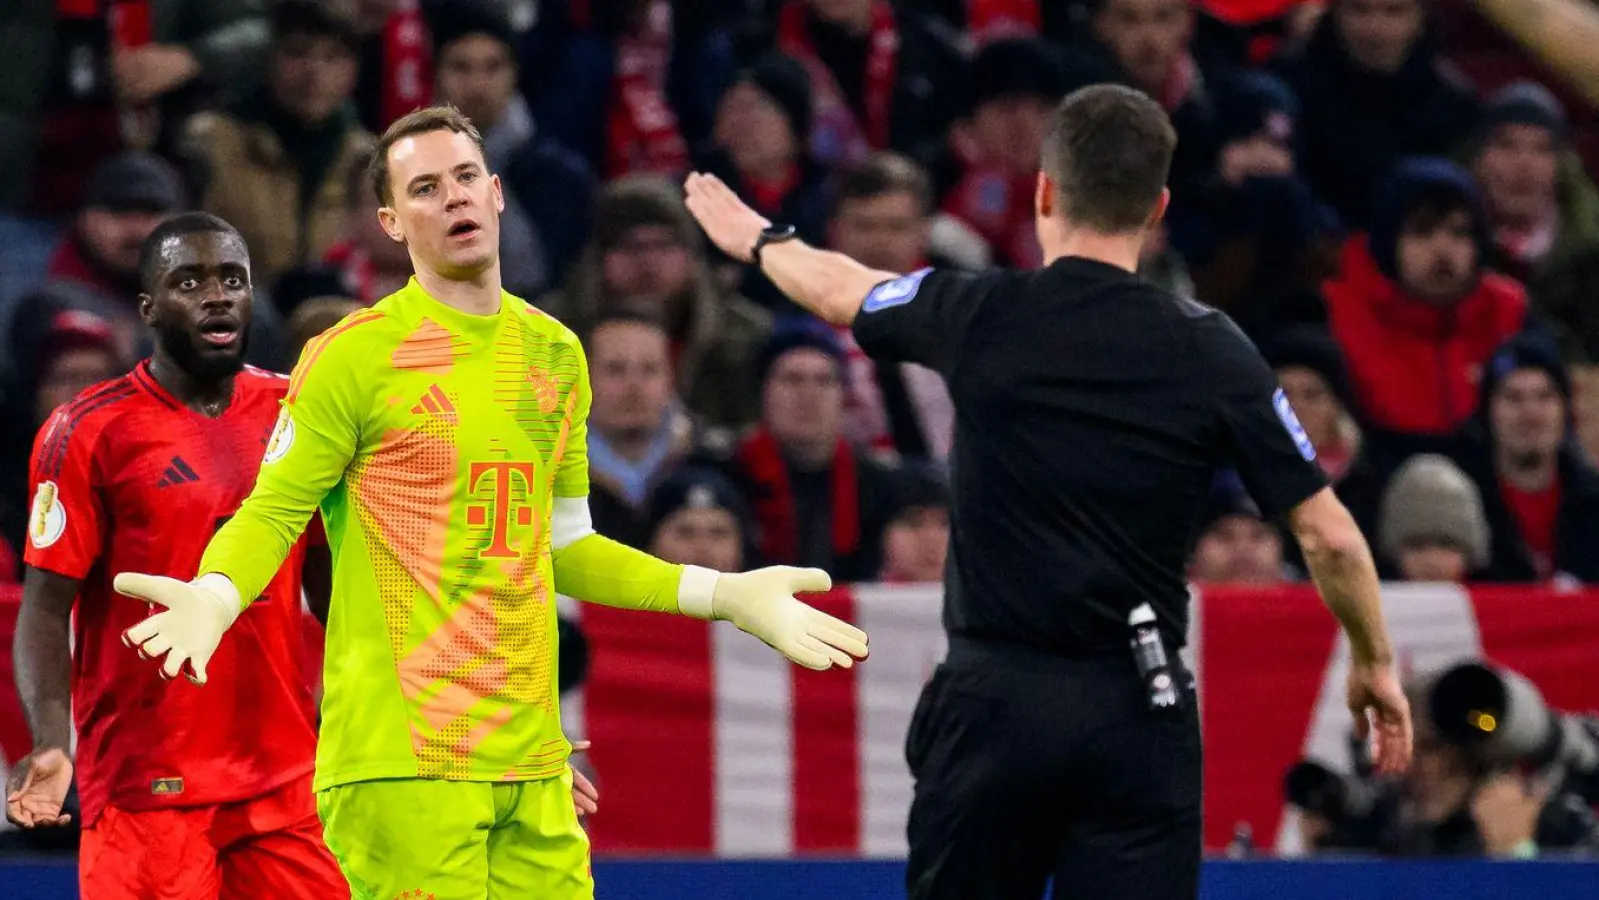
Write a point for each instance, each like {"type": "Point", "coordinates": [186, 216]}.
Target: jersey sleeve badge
{"type": "Point", "coordinates": [895, 292]}
{"type": "Point", "coordinates": [1285, 412]}
{"type": "Point", "coordinates": [48, 520]}
{"type": "Point", "coordinates": [281, 440]}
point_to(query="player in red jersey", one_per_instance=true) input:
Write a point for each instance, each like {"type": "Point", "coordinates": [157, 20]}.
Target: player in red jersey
{"type": "Point", "coordinates": [185, 793]}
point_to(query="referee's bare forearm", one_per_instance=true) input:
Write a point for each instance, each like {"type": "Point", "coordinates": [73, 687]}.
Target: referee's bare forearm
{"type": "Point", "coordinates": [830, 285]}
{"type": "Point", "coordinates": [1340, 562]}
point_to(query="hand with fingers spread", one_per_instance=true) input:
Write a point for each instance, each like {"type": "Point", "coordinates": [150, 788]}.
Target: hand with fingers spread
{"type": "Point", "coordinates": [762, 603]}
{"type": "Point", "coordinates": [1376, 699]}
{"type": "Point", "coordinates": [729, 222]}
{"type": "Point", "coordinates": [37, 787]}
{"type": "Point", "coordinates": [188, 629]}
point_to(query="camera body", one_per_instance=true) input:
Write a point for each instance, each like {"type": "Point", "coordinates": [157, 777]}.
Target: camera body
{"type": "Point", "coordinates": [1500, 723]}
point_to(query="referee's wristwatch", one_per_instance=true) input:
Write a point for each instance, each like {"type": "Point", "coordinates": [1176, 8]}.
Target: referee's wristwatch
{"type": "Point", "coordinates": [772, 234]}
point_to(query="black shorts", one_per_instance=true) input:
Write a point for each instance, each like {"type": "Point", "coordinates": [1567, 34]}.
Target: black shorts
{"type": "Point", "coordinates": [1031, 767]}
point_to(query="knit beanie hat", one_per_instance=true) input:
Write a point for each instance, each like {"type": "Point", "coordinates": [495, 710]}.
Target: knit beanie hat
{"type": "Point", "coordinates": [1413, 180]}
{"type": "Point", "coordinates": [1524, 103]}
{"type": "Point", "coordinates": [1430, 498]}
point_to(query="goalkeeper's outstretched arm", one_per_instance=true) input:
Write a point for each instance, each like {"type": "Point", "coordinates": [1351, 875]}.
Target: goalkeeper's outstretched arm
{"type": "Point", "coordinates": [599, 570]}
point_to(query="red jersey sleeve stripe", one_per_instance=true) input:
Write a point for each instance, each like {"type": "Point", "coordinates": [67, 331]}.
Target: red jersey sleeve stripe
{"type": "Point", "coordinates": [319, 343]}
{"type": "Point", "coordinates": [55, 450]}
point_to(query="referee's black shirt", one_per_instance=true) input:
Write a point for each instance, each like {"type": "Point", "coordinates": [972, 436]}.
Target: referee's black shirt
{"type": "Point", "coordinates": [1092, 411]}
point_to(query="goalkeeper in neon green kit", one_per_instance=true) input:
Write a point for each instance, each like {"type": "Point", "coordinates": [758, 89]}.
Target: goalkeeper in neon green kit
{"type": "Point", "coordinates": [442, 433]}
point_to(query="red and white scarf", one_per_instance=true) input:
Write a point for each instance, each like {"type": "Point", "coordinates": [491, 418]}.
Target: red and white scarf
{"type": "Point", "coordinates": [837, 135]}
{"type": "Point", "coordinates": [407, 63]}
{"type": "Point", "coordinates": [644, 134]}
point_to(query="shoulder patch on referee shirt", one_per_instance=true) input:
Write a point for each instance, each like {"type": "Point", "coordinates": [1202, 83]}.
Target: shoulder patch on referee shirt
{"type": "Point", "coordinates": [896, 292]}
{"type": "Point", "coordinates": [1285, 412]}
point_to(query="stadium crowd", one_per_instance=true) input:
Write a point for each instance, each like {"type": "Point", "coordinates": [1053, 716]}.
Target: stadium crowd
{"type": "Point", "coordinates": [1415, 251]}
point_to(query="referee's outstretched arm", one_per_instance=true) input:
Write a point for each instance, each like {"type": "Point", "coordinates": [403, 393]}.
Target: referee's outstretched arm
{"type": "Point", "coordinates": [828, 284]}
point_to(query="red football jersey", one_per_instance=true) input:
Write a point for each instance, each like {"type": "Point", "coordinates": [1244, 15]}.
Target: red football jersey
{"type": "Point", "coordinates": [125, 478]}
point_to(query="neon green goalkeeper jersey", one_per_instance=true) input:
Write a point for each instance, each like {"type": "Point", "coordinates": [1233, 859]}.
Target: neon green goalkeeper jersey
{"type": "Point", "coordinates": [436, 443]}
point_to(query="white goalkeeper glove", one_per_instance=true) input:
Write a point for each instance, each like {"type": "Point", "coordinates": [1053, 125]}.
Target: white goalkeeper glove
{"type": "Point", "coordinates": [762, 603]}
{"type": "Point", "coordinates": [191, 625]}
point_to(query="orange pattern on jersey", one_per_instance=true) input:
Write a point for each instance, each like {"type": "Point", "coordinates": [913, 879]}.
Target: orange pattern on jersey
{"type": "Point", "coordinates": [430, 348]}
{"type": "Point", "coordinates": [313, 349]}
{"type": "Point", "coordinates": [403, 494]}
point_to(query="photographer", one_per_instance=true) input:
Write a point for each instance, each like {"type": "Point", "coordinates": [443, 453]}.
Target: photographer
{"type": "Point", "coordinates": [1458, 799]}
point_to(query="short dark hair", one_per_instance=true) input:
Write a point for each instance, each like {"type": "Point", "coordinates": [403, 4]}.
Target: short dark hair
{"type": "Point", "coordinates": [421, 121]}
{"type": "Point", "coordinates": [885, 173]}
{"type": "Point", "coordinates": [624, 315]}
{"type": "Point", "coordinates": [1109, 152]}
{"type": "Point", "coordinates": [313, 18]}
{"type": "Point", "coordinates": [176, 228]}
{"type": "Point", "coordinates": [1431, 207]}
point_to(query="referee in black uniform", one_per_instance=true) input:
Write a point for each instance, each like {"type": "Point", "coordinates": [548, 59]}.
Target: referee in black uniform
{"type": "Point", "coordinates": [1060, 737]}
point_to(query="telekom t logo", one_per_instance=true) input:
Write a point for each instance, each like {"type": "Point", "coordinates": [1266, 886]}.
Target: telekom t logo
{"type": "Point", "coordinates": [497, 494]}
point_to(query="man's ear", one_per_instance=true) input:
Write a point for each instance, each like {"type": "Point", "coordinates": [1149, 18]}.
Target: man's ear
{"type": "Point", "coordinates": [1161, 205]}
{"type": "Point", "coordinates": [1046, 196]}
{"type": "Point", "coordinates": [147, 309]}
{"type": "Point", "coordinates": [499, 193]}
{"type": "Point", "coordinates": [391, 224]}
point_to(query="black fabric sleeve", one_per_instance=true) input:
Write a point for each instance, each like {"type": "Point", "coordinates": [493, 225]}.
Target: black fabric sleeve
{"type": "Point", "coordinates": [922, 317]}
{"type": "Point", "coordinates": [1262, 437]}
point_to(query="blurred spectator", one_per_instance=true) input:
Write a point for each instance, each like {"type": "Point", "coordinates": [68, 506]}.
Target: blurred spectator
{"type": "Point", "coordinates": [1432, 526]}
{"type": "Point", "coordinates": [623, 84]}
{"type": "Point", "coordinates": [96, 268]}
{"type": "Point", "coordinates": [58, 352]}
{"type": "Point", "coordinates": [883, 220]}
{"type": "Point", "coordinates": [1256, 241]}
{"type": "Point", "coordinates": [80, 81]}
{"type": "Point", "coordinates": [1249, 33]}
{"type": "Point", "coordinates": [1544, 211]}
{"type": "Point", "coordinates": [646, 256]}
{"type": "Point", "coordinates": [1149, 41]}
{"type": "Point", "coordinates": [72, 351]}
{"type": "Point", "coordinates": [1538, 209]}
{"type": "Point", "coordinates": [395, 59]}
{"type": "Point", "coordinates": [315, 315]}
{"type": "Point", "coordinates": [371, 264]}
{"type": "Point", "coordinates": [916, 539]}
{"type": "Point", "coordinates": [127, 196]}
{"type": "Point", "coordinates": [1415, 313]}
{"type": "Point", "coordinates": [759, 150]}
{"type": "Point", "coordinates": [993, 160]}
{"type": "Point", "coordinates": [817, 502]}
{"type": "Point", "coordinates": [1540, 491]}
{"type": "Point", "coordinates": [697, 518]}
{"type": "Point", "coordinates": [277, 162]}
{"type": "Point", "coordinates": [1237, 545]}
{"type": "Point", "coordinates": [1311, 370]}
{"type": "Point", "coordinates": [882, 79]}
{"type": "Point", "coordinates": [1373, 90]}
{"type": "Point", "coordinates": [548, 189]}
{"type": "Point", "coordinates": [638, 431]}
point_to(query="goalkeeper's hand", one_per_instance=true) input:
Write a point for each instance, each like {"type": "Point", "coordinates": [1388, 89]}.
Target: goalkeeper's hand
{"type": "Point", "coordinates": [188, 630]}
{"type": "Point", "coordinates": [762, 603]}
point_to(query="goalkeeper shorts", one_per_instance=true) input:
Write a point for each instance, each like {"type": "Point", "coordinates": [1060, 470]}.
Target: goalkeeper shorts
{"type": "Point", "coordinates": [458, 840]}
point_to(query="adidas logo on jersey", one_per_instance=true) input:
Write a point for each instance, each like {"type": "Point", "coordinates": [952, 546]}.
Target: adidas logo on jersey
{"type": "Point", "coordinates": [435, 403]}
{"type": "Point", "coordinates": [178, 472]}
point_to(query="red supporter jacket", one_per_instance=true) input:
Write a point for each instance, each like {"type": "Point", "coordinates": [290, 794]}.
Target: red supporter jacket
{"type": "Point", "coordinates": [1415, 368]}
